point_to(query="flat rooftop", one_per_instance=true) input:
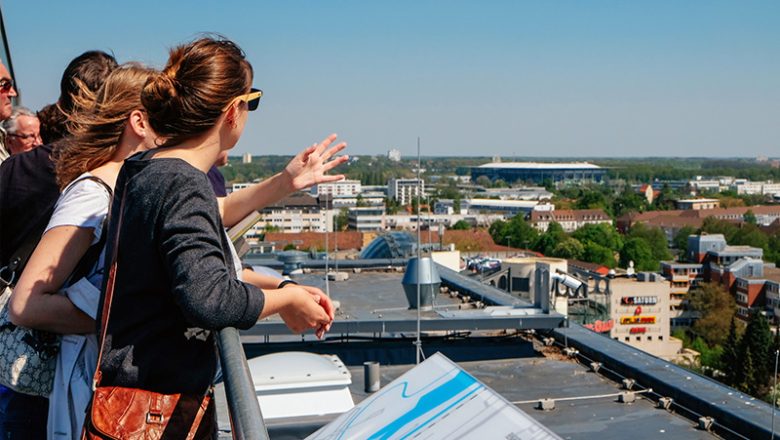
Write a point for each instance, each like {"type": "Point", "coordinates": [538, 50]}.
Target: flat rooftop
{"type": "Point", "coordinates": [527, 380]}
{"type": "Point", "coordinates": [375, 302]}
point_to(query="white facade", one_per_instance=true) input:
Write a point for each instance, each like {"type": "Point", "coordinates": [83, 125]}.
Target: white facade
{"type": "Point", "coordinates": [748, 187]}
{"type": "Point", "coordinates": [336, 189]}
{"type": "Point", "coordinates": [291, 220]}
{"type": "Point", "coordinates": [394, 155]}
{"type": "Point", "coordinates": [246, 158]}
{"type": "Point", "coordinates": [405, 190]}
{"type": "Point", "coordinates": [366, 219]}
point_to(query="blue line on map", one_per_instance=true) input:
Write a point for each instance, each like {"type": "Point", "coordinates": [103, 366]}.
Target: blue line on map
{"type": "Point", "coordinates": [427, 402]}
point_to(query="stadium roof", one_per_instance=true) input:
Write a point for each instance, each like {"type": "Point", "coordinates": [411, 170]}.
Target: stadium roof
{"type": "Point", "coordinates": [543, 165]}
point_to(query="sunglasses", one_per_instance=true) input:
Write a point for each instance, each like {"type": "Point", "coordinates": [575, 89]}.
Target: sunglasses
{"type": "Point", "coordinates": [6, 85]}
{"type": "Point", "coordinates": [252, 99]}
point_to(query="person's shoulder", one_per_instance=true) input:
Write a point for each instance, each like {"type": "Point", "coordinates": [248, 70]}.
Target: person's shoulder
{"type": "Point", "coordinates": [86, 190]}
{"type": "Point", "coordinates": [37, 158]}
{"type": "Point", "coordinates": [166, 177]}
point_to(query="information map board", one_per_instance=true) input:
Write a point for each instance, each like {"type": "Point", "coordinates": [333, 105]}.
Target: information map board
{"type": "Point", "coordinates": [435, 400]}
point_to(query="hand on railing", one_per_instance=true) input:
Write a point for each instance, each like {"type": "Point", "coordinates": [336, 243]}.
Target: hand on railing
{"type": "Point", "coordinates": [304, 310]}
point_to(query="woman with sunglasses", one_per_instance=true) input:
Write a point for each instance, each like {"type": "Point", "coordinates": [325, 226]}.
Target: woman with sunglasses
{"type": "Point", "coordinates": [175, 283]}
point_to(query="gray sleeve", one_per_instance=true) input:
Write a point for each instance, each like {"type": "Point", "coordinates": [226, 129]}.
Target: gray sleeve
{"type": "Point", "coordinates": [203, 285]}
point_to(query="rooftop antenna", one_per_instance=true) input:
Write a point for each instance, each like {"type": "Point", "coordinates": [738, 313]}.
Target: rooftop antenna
{"type": "Point", "coordinates": [327, 251]}
{"type": "Point", "coordinates": [418, 341]}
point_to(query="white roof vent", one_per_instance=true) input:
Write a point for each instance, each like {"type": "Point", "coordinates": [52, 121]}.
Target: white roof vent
{"type": "Point", "coordinates": [296, 384]}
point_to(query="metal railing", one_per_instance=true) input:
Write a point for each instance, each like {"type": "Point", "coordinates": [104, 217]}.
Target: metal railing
{"type": "Point", "coordinates": [246, 418]}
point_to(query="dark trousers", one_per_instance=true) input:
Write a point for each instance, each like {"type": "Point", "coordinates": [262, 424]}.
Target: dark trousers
{"type": "Point", "coordinates": [22, 416]}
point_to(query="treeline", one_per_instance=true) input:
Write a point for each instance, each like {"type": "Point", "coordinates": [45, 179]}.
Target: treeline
{"type": "Point", "coordinates": [600, 244]}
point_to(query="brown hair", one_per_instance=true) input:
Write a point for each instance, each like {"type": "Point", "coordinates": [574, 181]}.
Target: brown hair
{"type": "Point", "coordinates": [98, 121]}
{"type": "Point", "coordinates": [189, 95]}
{"type": "Point", "coordinates": [89, 69]}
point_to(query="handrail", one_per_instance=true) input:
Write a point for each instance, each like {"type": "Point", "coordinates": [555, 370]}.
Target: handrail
{"type": "Point", "coordinates": [246, 418]}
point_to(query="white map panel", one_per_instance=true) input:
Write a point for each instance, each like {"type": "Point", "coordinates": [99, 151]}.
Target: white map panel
{"type": "Point", "coordinates": [435, 400]}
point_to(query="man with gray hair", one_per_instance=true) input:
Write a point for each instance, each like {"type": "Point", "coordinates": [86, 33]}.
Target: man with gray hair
{"type": "Point", "coordinates": [22, 130]}
{"type": "Point", "coordinates": [7, 91]}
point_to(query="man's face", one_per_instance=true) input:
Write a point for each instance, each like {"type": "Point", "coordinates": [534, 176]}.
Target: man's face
{"type": "Point", "coordinates": [26, 137]}
{"type": "Point", "coordinates": [7, 91]}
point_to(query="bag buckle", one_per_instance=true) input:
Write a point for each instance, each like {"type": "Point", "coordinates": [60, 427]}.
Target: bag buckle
{"type": "Point", "coordinates": [7, 276]}
{"type": "Point", "coordinates": [154, 418]}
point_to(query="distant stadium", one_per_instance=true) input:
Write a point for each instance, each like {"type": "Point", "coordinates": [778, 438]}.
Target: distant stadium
{"type": "Point", "coordinates": [538, 173]}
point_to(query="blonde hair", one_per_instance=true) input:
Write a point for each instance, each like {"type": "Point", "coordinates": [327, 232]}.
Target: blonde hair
{"type": "Point", "coordinates": [98, 121]}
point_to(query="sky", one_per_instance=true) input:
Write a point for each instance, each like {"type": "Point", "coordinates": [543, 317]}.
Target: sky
{"type": "Point", "coordinates": [469, 78]}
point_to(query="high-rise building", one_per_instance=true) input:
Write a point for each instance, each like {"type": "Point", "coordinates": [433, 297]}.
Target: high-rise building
{"type": "Point", "coordinates": [405, 190]}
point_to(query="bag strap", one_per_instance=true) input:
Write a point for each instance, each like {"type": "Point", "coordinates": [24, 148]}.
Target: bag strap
{"type": "Point", "coordinates": [110, 279]}
{"type": "Point", "coordinates": [92, 255]}
{"type": "Point", "coordinates": [105, 313]}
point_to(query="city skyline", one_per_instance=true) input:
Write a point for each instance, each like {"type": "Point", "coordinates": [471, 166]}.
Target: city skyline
{"type": "Point", "coordinates": [513, 79]}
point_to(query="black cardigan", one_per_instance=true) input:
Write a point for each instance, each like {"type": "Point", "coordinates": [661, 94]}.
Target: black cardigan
{"type": "Point", "coordinates": [175, 280]}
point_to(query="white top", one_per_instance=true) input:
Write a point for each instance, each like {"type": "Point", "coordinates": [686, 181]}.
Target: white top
{"type": "Point", "coordinates": [83, 204]}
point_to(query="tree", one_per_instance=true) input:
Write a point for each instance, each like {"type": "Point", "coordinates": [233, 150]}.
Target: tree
{"type": "Point", "coordinates": [716, 307]}
{"type": "Point", "coordinates": [628, 201]}
{"type": "Point", "coordinates": [461, 225]}
{"type": "Point", "coordinates": [342, 219]}
{"type": "Point", "coordinates": [680, 240]}
{"type": "Point", "coordinates": [592, 199]}
{"type": "Point", "coordinates": [271, 228]}
{"type": "Point", "coordinates": [359, 201]}
{"type": "Point", "coordinates": [596, 253]}
{"type": "Point", "coordinates": [638, 251]}
{"type": "Point", "coordinates": [750, 217]}
{"type": "Point", "coordinates": [483, 181]}
{"type": "Point", "coordinates": [757, 341]}
{"type": "Point", "coordinates": [520, 233]}
{"type": "Point", "coordinates": [655, 238]}
{"type": "Point", "coordinates": [729, 359]}
{"type": "Point", "coordinates": [602, 234]}
{"type": "Point", "coordinates": [569, 248]}
{"type": "Point", "coordinates": [550, 239]}
{"type": "Point", "coordinates": [747, 373]}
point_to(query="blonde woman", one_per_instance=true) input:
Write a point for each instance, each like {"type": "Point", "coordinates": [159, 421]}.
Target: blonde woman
{"type": "Point", "coordinates": [109, 127]}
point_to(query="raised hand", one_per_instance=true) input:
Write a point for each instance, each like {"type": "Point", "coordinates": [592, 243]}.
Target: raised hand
{"type": "Point", "coordinates": [310, 166]}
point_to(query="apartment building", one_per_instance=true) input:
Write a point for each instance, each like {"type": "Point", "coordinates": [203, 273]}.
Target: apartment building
{"type": "Point", "coordinates": [569, 219]}
{"type": "Point", "coordinates": [405, 190]}
{"type": "Point", "coordinates": [337, 189]}
{"type": "Point", "coordinates": [296, 213]}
